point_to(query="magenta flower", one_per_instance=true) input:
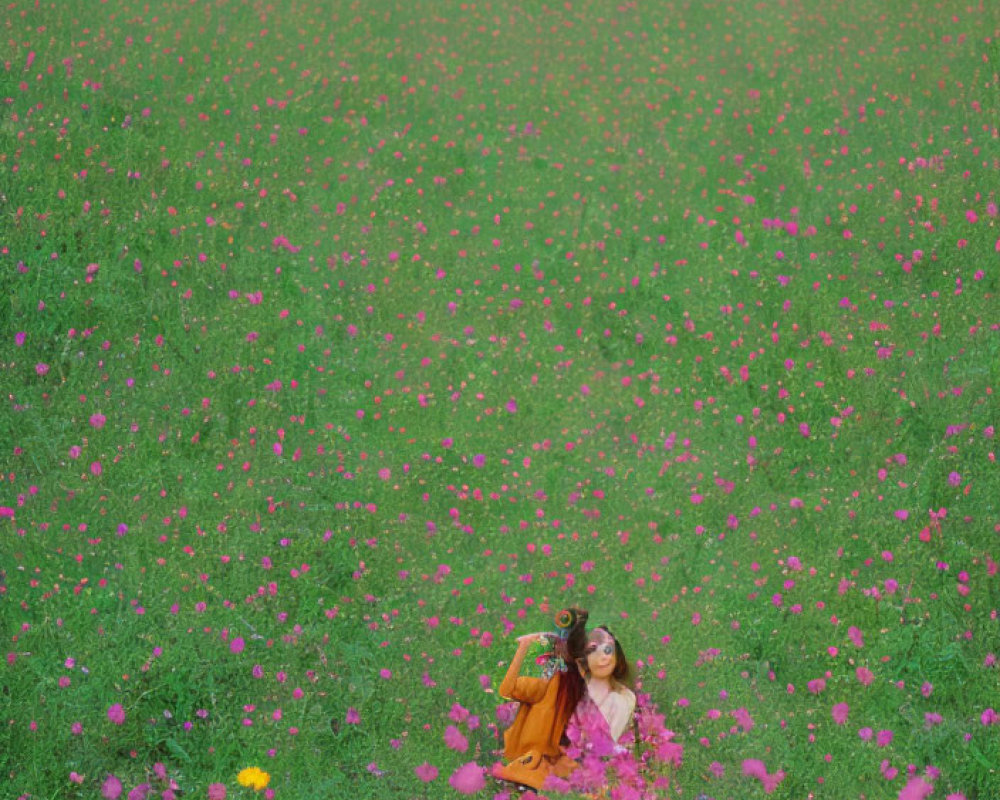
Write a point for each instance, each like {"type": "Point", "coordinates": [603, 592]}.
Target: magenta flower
{"type": "Point", "coordinates": [839, 713]}
{"type": "Point", "coordinates": [865, 675]}
{"type": "Point", "coordinates": [743, 718]}
{"type": "Point", "coordinates": [217, 791]}
{"type": "Point", "coordinates": [353, 717]}
{"type": "Point", "coordinates": [426, 772]}
{"type": "Point", "coordinates": [454, 739]}
{"type": "Point", "coordinates": [468, 779]}
{"type": "Point", "coordinates": [237, 645]}
{"type": "Point", "coordinates": [140, 792]}
{"type": "Point", "coordinates": [111, 789]}
{"type": "Point", "coordinates": [916, 789]}
{"type": "Point", "coordinates": [41, 368]}
{"type": "Point", "coordinates": [116, 714]}
{"type": "Point", "coordinates": [755, 768]}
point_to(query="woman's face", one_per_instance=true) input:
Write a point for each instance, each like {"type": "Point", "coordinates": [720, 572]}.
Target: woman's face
{"type": "Point", "coordinates": [601, 659]}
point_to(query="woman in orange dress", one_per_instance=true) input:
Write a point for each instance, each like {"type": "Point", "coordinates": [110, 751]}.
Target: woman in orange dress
{"type": "Point", "coordinates": [533, 743]}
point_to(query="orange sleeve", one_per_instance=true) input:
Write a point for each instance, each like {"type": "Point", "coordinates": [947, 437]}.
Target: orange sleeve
{"type": "Point", "coordinates": [515, 686]}
{"type": "Point", "coordinates": [523, 689]}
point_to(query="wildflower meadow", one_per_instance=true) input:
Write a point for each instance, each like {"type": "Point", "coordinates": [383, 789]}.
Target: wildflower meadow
{"type": "Point", "coordinates": [341, 343]}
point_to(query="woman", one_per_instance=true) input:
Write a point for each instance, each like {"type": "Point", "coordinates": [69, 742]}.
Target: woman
{"type": "Point", "coordinates": [533, 743]}
{"type": "Point", "coordinates": [609, 703]}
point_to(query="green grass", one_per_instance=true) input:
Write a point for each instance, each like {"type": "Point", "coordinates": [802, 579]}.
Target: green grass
{"type": "Point", "coordinates": [373, 334]}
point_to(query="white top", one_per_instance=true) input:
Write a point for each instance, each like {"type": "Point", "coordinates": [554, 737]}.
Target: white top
{"type": "Point", "coordinates": [616, 707]}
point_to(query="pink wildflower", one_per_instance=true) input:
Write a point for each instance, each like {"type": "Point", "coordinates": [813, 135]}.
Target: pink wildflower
{"type": "Point", "coordinates": [454, 739]}
{"type": "Point", "coordinates": [468, 778]}
{"type": "Point", "coordinates": [865, 675]}
{"type": "Point", "coordinates": [916, 789]}
{"type": "Point", "coordinates": [111, 789]}
{"type": "Point", "coordinates": [754, 768]}
{"type": "Point", "coordinates": [743, 718]}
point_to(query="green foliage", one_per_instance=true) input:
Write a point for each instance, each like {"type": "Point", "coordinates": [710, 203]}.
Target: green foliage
{"type": "Point", "coordinates": [341, 344]}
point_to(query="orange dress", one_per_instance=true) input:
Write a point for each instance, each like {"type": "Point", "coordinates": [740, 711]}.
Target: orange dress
{"type": "Point", "coordinates": [532, 743]}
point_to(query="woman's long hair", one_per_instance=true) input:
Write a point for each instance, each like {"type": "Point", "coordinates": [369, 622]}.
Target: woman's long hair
{"type": "Point", "coordinates": [571, 647]}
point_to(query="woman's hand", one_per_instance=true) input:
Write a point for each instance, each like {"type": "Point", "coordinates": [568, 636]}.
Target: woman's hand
{"type": "Point", "coordinates": [530, 638]}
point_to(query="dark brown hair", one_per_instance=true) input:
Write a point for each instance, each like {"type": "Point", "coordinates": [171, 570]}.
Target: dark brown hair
{"type": "Point", "coordinates": [571, 646]}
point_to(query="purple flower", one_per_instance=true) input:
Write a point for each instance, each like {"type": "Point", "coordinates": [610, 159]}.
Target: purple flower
{"type": "Point", "coordinates": [454, 739]}
{"type": "Point", "coordinates": [116, 714]}
{"type": "Point", "coordinates": [468, 779]}
{"type": "Point", "coordinates": [140, 792]}
{"type": "Point", "coordinates": [426, 772]}
{"type": "Point", "coordinates": [916, 789]}
{"type": "Point", "coordinates": [111, 789]}
{"type": "Point", "coordinates": [743, 718]}
{"type": "Point", "coordinates": [839, 713]}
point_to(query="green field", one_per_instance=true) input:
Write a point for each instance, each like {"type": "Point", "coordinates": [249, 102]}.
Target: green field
{"type": "Point", "coordinates": [341, 344]}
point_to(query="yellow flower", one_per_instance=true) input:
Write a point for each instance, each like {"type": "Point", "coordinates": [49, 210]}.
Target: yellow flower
{"type": "Point", "coordinates": [253, 777]}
